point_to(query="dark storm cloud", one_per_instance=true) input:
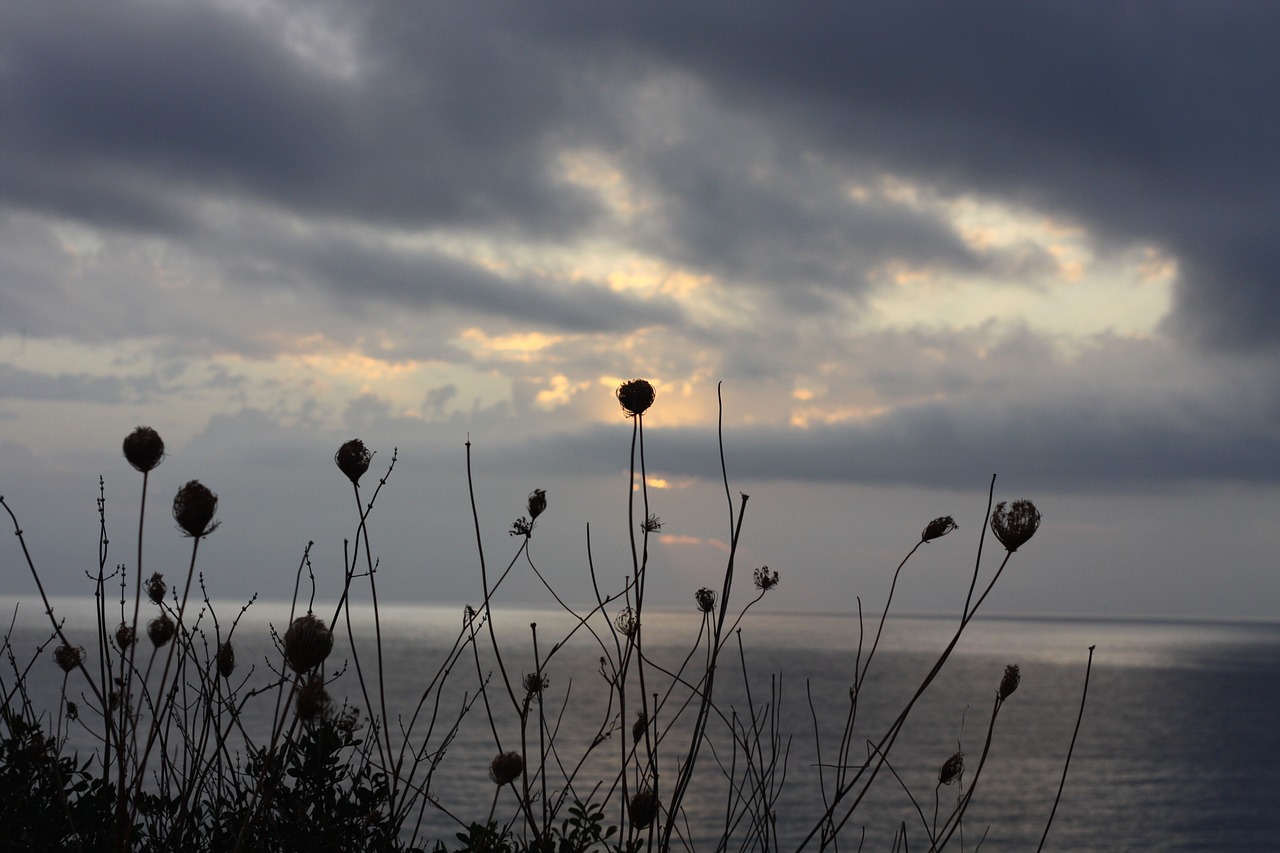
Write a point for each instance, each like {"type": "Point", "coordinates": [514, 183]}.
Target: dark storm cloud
{"type": "Point", "coordinates": [1145, 123]}
{"type": "Point", "coordinates": [1152, 123]}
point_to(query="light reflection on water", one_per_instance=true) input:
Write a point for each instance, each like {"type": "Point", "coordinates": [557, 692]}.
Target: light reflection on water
{"type": "Point", "coordinates": [1178, 749]}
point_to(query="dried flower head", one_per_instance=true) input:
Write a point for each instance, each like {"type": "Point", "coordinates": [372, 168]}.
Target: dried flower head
{"type": "Point", "coordinates": [764, 579]}
{"type": "Point", "coordinates": [521, 527]}
{"type": "Point", "coordinates": [627, 622]}
{"type": "Point", "coordinates": [68, 657]}
{"type": "Point", "coordinates": [635, 397]}
{"type": "Point", "coordinates": [193, 509]}
{"type": "Point", "coordinates": [1014, 525]}
{"type": "Point", "coordinates": [652, 524]}
{"type": "Point", "coordinates": [537, 502]}
{"type": "Point", "coordinates": [506, 768]}
{"type": "Point", "coordinates": [706, 599]}
{"type": "Point", "coordinates": [125, 636]}
{"type": "Point", "coordinates": [161, 630]}
{"type": "Point", "coordinates": [73, 711]}
{"type": "Point", "coordinates": [938, 528]}
{"type": "Point", "coordinates": [226, 659]}
{"type": "Point", "coordinates": [1009, 683]}
{"type": "Point", "coordinates": [644, 808]}
{"type": "Point", "coordinates": [156, 587]}
{"type": "Point", "coordinates": [143, 448]}
{"type": "Point", "coordinates": [638, 727]}
{"type": "Point", "coordinates": [535, 683]}
{"type": "Point", "coordinates": [951, 769]}
{"type": "Point", "coordinates": [307, 643]}
{"type": "Point", "coordinates": [353, 459]}
{"type": "Point", "coordinates": [313, 700]}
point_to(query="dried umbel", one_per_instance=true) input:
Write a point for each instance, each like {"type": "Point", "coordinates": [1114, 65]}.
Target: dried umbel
{"type": "Point", "coordinates": [353, 459]}
{"type": "Point", "coordinates": [764, 579]}
{"type": "Point", "coordinates": [193, 509]}
{"type": "Point", "coordinates": [68, 657]}
{"type": "Point", "coordinates": [938, 528]}
{"type": "Point", "coordinates": [951, 769]}
{"type": "Point", "coordinates": [644, 808]}
{"type": "Point", "coordinates": [627, 622]}
{"type": "Point", "coordinates": [226, 659]}
{"type": "Point", "coordinates": [652, 524]}
{"type": "Point", "coordinates": [161, 630]}
{"type": "Point", "coordinates": [635, 397]}
{"type": "Point", "coordinates": [1015, 523]}
{"type": "Point", "coordinates": [313, 700]}
{"type": "Point", "coordinates": [125, 636]}
{"type": "Point", "coordinates": [1009, 683]}
{"type": "Point", "coordinates": [156, 587]}
{"type": "Point", "coordinates": [143, 448]}
{"type": "Point", "coordinates": [73, 711]}
{"type": "Point", "coordinates": [307, 643]}
{"type": "Point", "coordinates": [506, 768]}
{"type": "Point", "coordinates": [706, 599]}
{"type": "Point", "coordinates": [537, 502]}
{"type": "Point", "coordinates": [535, 683]}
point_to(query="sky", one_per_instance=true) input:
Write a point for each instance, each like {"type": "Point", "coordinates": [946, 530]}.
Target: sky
{"type": "Point", "coordinates": [898, 248]}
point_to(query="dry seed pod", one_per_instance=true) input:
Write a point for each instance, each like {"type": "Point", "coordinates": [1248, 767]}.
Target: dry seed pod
{"type": "Point", "coordinates": [193, 509]}
{"type": "Point", "coordinates": [638, 727]}
{"type": "Point", "coordinates": [1016, 524]}
{"type": "Point", "coordinates": [706, 599]}
{"type": "Point", "coordinates": [161, 630]}
{"type": "Point", "coordinates": [125, 636]}
{"type": "Point", "coordinates": [938, 528]}
{"type": "Point", "coordinates": [1009, 683]}
{"type": "Point", "coordinates": [307, 643]}
{"type": "Point", "coordinates": [68, 657]}
{"type": "Point", "coordinates": [951, 769]}
{"type": "Point", "coordinates": [644, 808]}
{"type": "Point", "coordinates": [506, 768]}
{"type": "Point", "coordinates": [635, 397]}
{"type": "Point", "coordinates": [156, 587]}
{"type": "Point", "coordinates": [353, 459]}
{"type": "Point", "coordinates": [226, 659]}
{"type": "Point", "coordinates": [626, 622]}
{"type": "Point", "coordinates": [143, 448]}
{"type": "Point", "coordinates": [537, 503]}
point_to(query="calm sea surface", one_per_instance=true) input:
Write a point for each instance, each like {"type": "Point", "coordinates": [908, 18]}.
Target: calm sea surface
{"type": "Point", "coordinates": [1179, 747]}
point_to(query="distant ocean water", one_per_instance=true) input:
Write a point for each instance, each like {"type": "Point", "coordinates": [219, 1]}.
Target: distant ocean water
{"type": "Point", "coordinates": [1179, 747]}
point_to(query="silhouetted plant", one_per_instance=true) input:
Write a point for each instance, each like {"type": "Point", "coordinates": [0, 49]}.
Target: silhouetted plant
{"type": "Point", "coordinates": [357, 773]}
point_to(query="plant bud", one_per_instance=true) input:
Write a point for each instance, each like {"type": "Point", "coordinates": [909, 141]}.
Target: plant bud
{"type": "Point", "coordinates": [193, 509]}
{"type": "Point", "coordinates": [353, 459]}
{"type": "Point", "coordinates": [506, 768]}
{"type": "Point", "coordinates": [143, 448]}
{"type": "Point", "coordinates": [1016, 524]}
{"type": "Point", "coordinates": [307, 643]}
{"type": "Point", "coordinates": [161, 630]}
{"type": "Point", "coordinates": [635, 397]}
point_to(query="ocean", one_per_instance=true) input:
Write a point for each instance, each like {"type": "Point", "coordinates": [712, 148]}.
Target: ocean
{"type": "Point", "coordinates": [1178, 748]}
